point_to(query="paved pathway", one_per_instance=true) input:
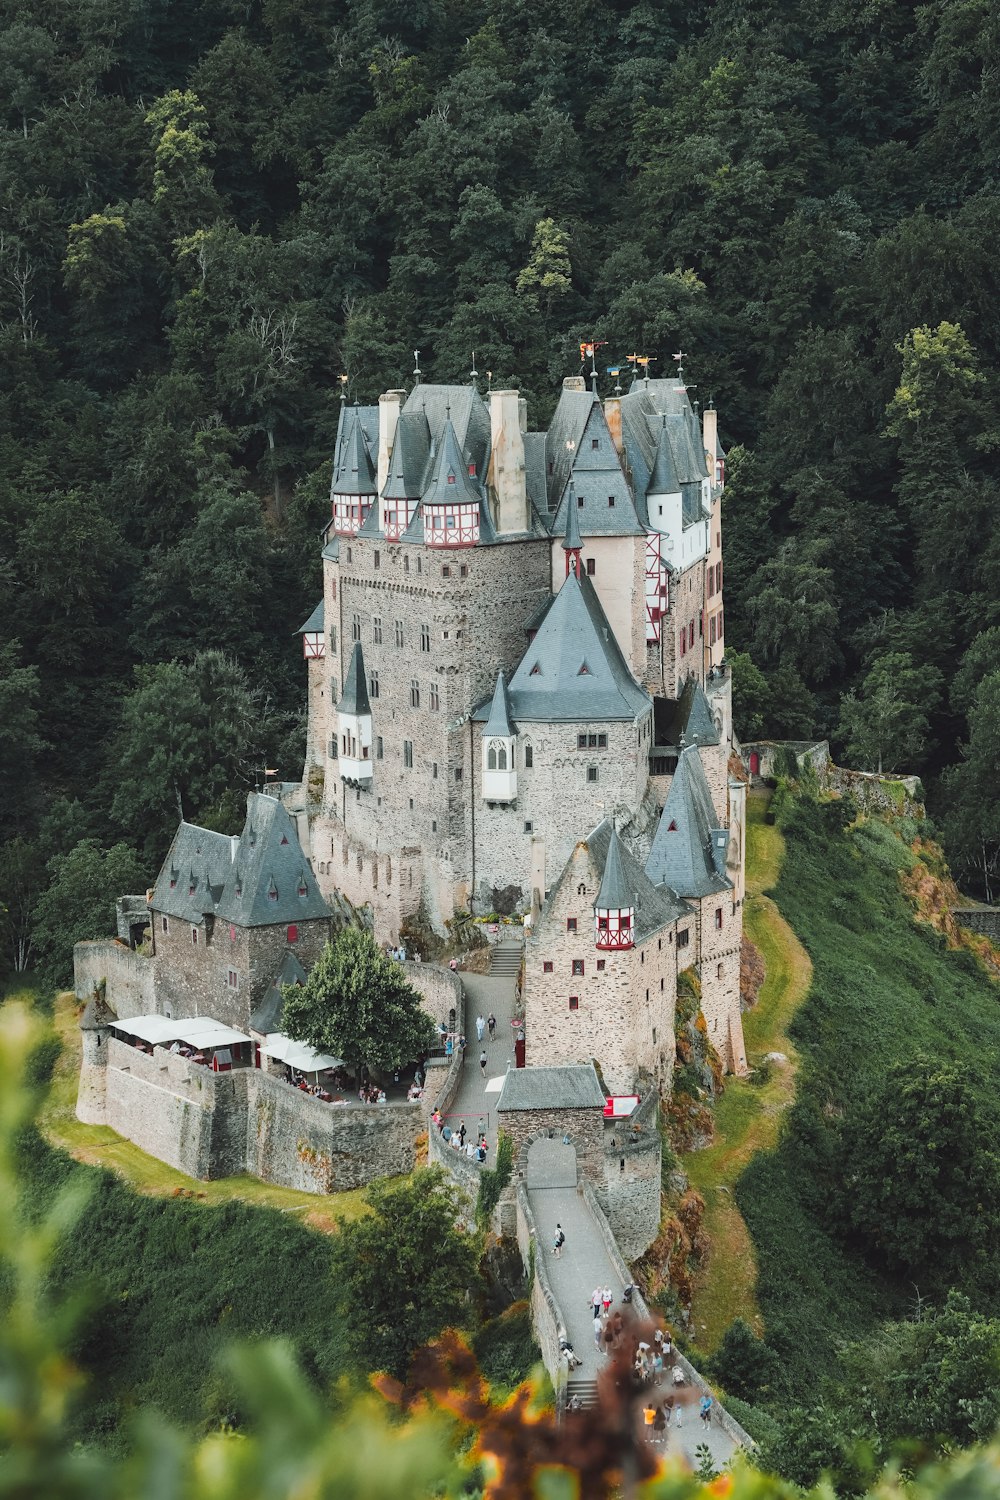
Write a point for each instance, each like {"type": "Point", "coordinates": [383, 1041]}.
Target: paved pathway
{"type": "Point", "coordinates": [583, 1265]}
{"type": "Point", "coordinates": [483, 994]}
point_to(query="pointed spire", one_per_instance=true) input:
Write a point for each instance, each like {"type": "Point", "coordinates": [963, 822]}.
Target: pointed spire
{"type": "Point", "coordinates": [614, 894]}
{"type": "Point", "coordinates": [355, 473]}
{"type": "Point", "coordinates": [451, 483]}
{"type": "Point", "coordinates": [498, 726]}
{"type": "Point", "coordinates": [663, 480]}
{"type": "Point", "coordinates": [572, 541]}
{"type": "Point", "coordinates": [354, 699]}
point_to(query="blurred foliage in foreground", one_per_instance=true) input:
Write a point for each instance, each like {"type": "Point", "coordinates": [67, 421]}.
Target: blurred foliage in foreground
{"type": "Point", "coordinates": [441, 1436]}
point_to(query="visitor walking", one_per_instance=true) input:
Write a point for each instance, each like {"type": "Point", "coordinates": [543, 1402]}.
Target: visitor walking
{"type": "Point", "coordinates": [461, 1134]}
{"type": "Point", "coordinates": [558, 1240]}
{"type": "Point", "coordinates": [595, 1301]}
{"type": "Point", "coordinates": [705, 1408]}
{"type": "Point", "coordinates": [598, 1334]}
{"type": "Point", "coordinates": [483, 1060]}
{"type": "Point", "coordinates": [480, 1027]}
{"type": "Point", "coordinates": [491, 1022]}
{"type": "Point", "coordinates": [607, 1299]}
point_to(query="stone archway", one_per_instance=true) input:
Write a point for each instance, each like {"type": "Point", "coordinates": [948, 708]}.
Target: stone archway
{"type": "Point", "coordinates": [550, 1162]}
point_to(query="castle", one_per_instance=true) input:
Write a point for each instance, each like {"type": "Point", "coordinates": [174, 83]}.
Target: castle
{"type": "Point", "coordinates": [518, 701]}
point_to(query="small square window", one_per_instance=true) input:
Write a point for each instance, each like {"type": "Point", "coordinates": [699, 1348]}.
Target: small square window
{"type": "Point", "coordinates": [683, 938]}
{"type": "Point", "coordinates": [458, 773]}
{"type": "Point", "coordinates": [233, 980]}
{"type": "Point", "coordinates": [591, 567]}
{"type": "Point", "coordinates": [578, 966]}
{"type": "Point", "coordinates": [378, 748]}
{"type": "Point", "coordinates": [595, 443]}
{"type": "Point", "coordinates": [529, 760]}
{"type": "Point", "coordinates": [579, 502]}
{"type": "Point", "coordinates": [194, 936]}
{"type": "Point", "coordinates": [434, 827]}
{"type": "Point", "coordinates": [164, 925]}
{"type": "Point", "coordinates": [581, 742]}
{"type": "Point", "coordinates": [528, 825]}
{"type": "Point", "coordinates": [591, 773]}
{"type": "Point", "coordinates": [574, 1002]}
{"type": "Point", "coordinates": [611, 502]}
{"type": "Point", "coordinates": [570, 924]}
{"type": "Point", "coordinates": [718, 919]}
{"type": "Point", "coordinates": [600, 965]}
{"type": "Point", "coordinates": [602, 742]}
{"type": "Point", "coordinates": [547, 966]}
{"type": "Point", "coordinates": [463, 571]}
{"type": "Point", "coordinates": [446, 571]}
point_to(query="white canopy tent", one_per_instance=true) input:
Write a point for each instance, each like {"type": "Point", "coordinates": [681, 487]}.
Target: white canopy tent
{"type": "Point", "coordinates": [196, 1031]}
{"type": "Point", "coordinates": [495, 1085]}
{"type": "Point", "coordinates": [298, 1055]}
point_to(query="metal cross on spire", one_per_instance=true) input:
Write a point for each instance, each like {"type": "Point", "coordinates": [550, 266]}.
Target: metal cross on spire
{"type": "Point", "coordinates": [473, 373]}
{"type": "Point", "coordinates": [416, 367]}
{"type": "Point", "coordinates": [680, 357]}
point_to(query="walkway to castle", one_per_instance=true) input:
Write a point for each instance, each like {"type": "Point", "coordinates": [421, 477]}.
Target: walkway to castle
{"type": "Point", "coordinates": [582, 1265]}
{"type": "Point", "coordinates": [584, 1262]}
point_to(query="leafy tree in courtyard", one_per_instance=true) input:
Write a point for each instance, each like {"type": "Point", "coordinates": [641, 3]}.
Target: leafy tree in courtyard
{"type": "Point", "coordinates": [923, 1177]}
{"type": "Point", "coordinates": [887, 723]}
{"type": "Point", "coordinates": [406, 1269]}
{"type": "Point", "coordinates": [80, 902]}
{"type": "Point", "coordinates": [358, 1004]}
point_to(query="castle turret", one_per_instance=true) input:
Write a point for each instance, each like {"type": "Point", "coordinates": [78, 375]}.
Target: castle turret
{"type": "Point", "coordinates": [91, 1100]}
{"type": "Point", "coordinates": [451, 502]}
{"type": "Point", "coordinates": [400, 492]}
{"type": "Point", "coordinates": [572, 541]}
{"type": "Point", "coordinates": [353, 490]}
{"type": "Point", "coordinates": [499, 768]}
{"type": "Point", "coordinates": [614, 909]}
{"type": "Point", "coordinates": [354, 724]}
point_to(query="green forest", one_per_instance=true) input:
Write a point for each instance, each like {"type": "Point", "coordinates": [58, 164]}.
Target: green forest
{"type": "Point", "coordinates": [219, 219]}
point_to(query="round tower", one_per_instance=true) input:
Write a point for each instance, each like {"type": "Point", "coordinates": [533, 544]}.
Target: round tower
{"type": "Point", "coordinates": [91, 1100]}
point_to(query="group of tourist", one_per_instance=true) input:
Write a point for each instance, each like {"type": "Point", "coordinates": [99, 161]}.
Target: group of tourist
{"type": "Point", "coordinates": [460, 1140]}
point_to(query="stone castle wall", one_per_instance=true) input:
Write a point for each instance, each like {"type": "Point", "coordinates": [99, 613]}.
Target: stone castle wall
{"type": "Point", "coordinates": [719, 966]}
{"type": "Point", "coordinates": [555, 797]}
{"type": "Point", "coordinates": [210, 1125]}
{"type": "Point", "coordinates": [633, 1156]}
{"type": "Point", "coordinates": [625, 1015]}
{"type": "Point", "coordinates": [130, 979]}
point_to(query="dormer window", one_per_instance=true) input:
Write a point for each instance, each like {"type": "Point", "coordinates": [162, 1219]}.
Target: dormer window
{"type": "Point", "coordinates": [302, 891]}
{"type": "Point", "coordinates": [451, 479]}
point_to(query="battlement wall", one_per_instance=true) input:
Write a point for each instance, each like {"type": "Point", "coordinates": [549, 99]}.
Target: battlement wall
{"type": "Point", "coordinates": [130, 979]}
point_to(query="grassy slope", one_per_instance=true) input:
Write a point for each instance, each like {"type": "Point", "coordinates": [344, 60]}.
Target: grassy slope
{"type": "Point", "coordinates": [98, 1145]}
{"type": "Point", "coordinates": [748, 1117]}
{"type": "Point", "coordinates": [883, 989]}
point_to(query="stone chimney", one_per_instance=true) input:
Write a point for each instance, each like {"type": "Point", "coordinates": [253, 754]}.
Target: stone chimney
{"type": "Point", "coordinates": [506, 471]}
{"type": "Point", "coordinates": [710, 435]}
{"type": "Point", "coordinates": [388, 415]}
{"type": "Point", "coordinates": [522, 414]}
{"type": "Point", "coordinates": [574, 383]}
{"type": "Point", "coordinates": [613, 417]}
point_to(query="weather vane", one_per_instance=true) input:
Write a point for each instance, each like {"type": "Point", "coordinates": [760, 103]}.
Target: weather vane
{"type": "Point", "coordinates": [416, 366]}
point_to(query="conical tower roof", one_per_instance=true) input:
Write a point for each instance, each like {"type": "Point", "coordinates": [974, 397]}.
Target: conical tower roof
{"type": "Point", "coordinates": [498, 726]}
{"type": "Point", "coordinates": [614, 894]}
{"type": "Point", "coordinates": [409, 458]}
{"type": "Point", "coordinates": [572, 541]}
{"type": "Point", "coordinates": [664, 480]}
{"type": "Point", "coordinates": [354, 699]}
{"type": "Point", "coordinates": [450, 480]}
{"type": "Point", "coordinates": [355, 474]}
{"type": "Point", "coordinates": [682, 855]}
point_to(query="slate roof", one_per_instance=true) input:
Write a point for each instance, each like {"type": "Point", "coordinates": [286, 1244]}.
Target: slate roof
{"type": "Point", "coordinates": [573, 670]}
{"type": "Point", "coordinates": [314, 624]}
{"type": "Point", "coordinates": [354, 472]}
{"type": "Point", "coordinates": [534, 471]}
{"type": "Point", "coordinates": [657, 417]}
{"type": "Point", "coordinates": [663, 480]}
{"type": "Point", "coordinates": [266, 1019]}
{"type": "Point", "coordinates": [688, 720]}
{"type": "Point", "coordinates": [269, 871]}
{"type": "Point", "coordinates": [469, 416]}
{"type": "Point", "coordinates": [572, 541]}
{"type": "Point", "coordinates": [449, 481]}
{"type": "Point", "coordinates": [197, 866]}
{"type": "Point", "coordinates": [563, 440]}
{"type": "Point", "coordinates": [498, 725]}
{"type": "Point", "coordinates": [571, 1087]}
{"type": "Point", "coordinates": [354, 698]}
{"type": "Point", "coordinates": [689, 847]}
{"type": "Point", "coordinates": [615, 892]}
{"type": "Point", "coordinates": [603, 498]}
{"type": "Point", "coordinates": [408, 460]}
{"type": "Point", "coordinates": [656, 906]}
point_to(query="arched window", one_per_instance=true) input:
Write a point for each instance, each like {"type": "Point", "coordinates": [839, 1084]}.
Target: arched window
{"type": "Point", "coordinates": [491, 758]}
{"type": "Point", "coordinates": [502, 758]}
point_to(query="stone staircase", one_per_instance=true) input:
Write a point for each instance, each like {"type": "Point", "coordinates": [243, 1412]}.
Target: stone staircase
{"type": "Point", "coordinates": [505, 960]}
{"type": "Point", "coordinates": [585, 1391]}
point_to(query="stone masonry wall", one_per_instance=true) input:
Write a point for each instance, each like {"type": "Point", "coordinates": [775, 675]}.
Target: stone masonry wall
{"type": "Point", "coordinates": [984, 920]}
{"type": "Point", "coordinates": [585, 1128]}
{"type": "Point", "coordinates": [625, 1015]}
{"type": "Point", "coordinates": [162, 1103]}
{"type": "Point", "coordinates": [719, 965]}
{"type": "Point", "coordinates": [301, 1142]}
{"type": "Point", "coordinates": [633, 1156]}
{"type": "Point", "coordinates": [554, 797]}
{"type": "Point", "coordinates": [130, 979]}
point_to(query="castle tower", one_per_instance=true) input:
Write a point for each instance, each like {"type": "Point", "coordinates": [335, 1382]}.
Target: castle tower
{"type": "Point", "coordinates": [354, 724]}
{"type": "Point", "coordinates": [614, 909]}
{"type": "Point", "coordinates": [452, 502]}
{"type": "Point", "coordinates": [499, 767]}
{"type": "Point", "coordinates": [91, 1102]}
{"type": "Point", "coordinates": [313, 635]}
{"type": "Point", "coordinates": [400, 492]}
{"type": "Point", "coordinates": [353, 490]}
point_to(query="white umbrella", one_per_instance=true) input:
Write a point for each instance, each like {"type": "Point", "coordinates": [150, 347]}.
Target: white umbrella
{"type": "Point", "coordinates": [299, 1055]}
